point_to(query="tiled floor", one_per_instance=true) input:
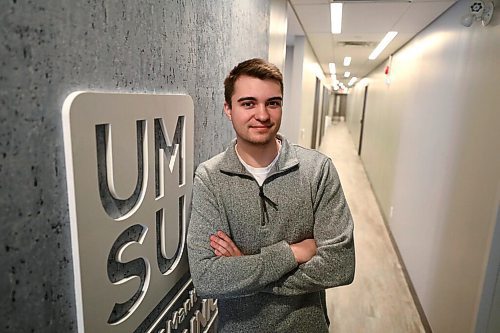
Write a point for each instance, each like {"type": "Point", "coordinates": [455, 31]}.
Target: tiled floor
{"type": "Point", "coordinates": [378, 301]}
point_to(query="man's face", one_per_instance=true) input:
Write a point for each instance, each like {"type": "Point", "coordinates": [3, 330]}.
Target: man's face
{"type": "Point", "coordinates": [256, 110]}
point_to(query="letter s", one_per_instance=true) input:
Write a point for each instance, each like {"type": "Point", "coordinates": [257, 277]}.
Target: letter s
{"type": "Point", "coordinates": [119, 271]}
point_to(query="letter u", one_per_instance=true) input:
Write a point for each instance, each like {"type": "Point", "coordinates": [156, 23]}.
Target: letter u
{"type": "Point", "coordinates": [115, 207]}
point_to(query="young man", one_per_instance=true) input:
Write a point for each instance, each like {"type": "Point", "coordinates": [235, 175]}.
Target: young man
{"type": "Point", "coordinates": [270, 228]}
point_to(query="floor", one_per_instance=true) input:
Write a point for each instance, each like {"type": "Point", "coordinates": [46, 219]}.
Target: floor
{"type": "Point", "coordinates": [379, 299]}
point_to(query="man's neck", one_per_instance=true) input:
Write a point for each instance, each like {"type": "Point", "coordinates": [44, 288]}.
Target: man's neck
{"type": "Point", "coordinates": [258, 156]}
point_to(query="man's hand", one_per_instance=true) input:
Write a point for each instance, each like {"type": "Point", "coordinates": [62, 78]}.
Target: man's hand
{"type": "Point", "coordinates": [304, 250]}
{"type": "Point", "coordinates": [224, 246]}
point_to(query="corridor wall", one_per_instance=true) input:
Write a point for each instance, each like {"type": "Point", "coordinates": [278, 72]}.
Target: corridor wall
{"type": "Point", "coordinates": [301, 72]}
{"type": "Point", "coordinates": [50, 48]}
{"type": "Point", "coordinates": [430, 149]}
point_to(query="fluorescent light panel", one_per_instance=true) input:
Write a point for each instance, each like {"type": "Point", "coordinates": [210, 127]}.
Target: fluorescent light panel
{"type": "Point", "coordinates": [352, 81]}
{"type": "Point", "coordinates": [382, 45]}
{"type": "Point", "coordinates": [347, 74]}
{"type": "Point", "coordinates": [336, 17]}
{"type": "Point", "coordinates": [332, 68]}
{"type": "Point", "coordinates": [347, 61]}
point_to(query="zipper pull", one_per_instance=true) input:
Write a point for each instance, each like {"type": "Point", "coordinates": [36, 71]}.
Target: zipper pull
{"type": "Point", "coordinates": [263, 209]}
{"type": "Point", "coordinates": [266, 199]}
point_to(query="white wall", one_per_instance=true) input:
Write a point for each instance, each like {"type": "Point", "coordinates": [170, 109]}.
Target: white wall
{"type": "Point", "coordinates": [277, 32]}
{"type": "Point", "coordinates": [290, 122]}
{"type": "Point", "coordinates": [431, 151]}
{"type": "Point", "coordinates": [301, 71]}
{"type": "Point", "coordinates": [355, 109]}
{"type": "Point", "coordinates": [310, 72]}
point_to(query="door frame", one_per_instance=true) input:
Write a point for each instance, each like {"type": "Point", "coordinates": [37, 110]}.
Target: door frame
{"type": "Point", "coordinates": [362, 121]}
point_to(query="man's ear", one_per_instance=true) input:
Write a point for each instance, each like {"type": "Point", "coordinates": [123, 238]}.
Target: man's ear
{"type": "Point", "coordinates": [227, 110]}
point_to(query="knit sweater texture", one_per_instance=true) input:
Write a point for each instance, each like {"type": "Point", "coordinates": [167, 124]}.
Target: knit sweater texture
{"type": "Point", "coordinates": [266, 290]}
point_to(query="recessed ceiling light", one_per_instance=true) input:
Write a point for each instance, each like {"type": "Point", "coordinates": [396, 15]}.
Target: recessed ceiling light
{"type": "Point", "coordinates": [332, 68]}
{"type": "Point", "coordinates": [347, 61]}
{"type": "Point", "coordinates": [383, 44]}
{"type": "Point", "coordinates": [336, 17]}
{"type": "Point", "coordinates": [347, 74]}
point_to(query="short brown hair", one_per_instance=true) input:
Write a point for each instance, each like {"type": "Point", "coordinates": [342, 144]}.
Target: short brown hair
{"type": "Point", "coordinates": [256, 67]}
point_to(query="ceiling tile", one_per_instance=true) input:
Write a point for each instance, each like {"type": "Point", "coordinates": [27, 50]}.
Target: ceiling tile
{"type": "Point", "coordinates": [420, 15]}
{"type": "Point", "coordinates": [314, 18]}
{"type": "Point", "coordinates": [360, 18]}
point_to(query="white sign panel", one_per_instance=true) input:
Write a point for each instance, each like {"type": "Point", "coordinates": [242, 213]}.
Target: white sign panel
{"type": "Point", "coordinates": [129, 160]}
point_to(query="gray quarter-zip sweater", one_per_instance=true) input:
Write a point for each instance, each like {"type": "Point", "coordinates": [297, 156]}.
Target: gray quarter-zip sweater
{"type": "Point", "coordinates": [266, 290]}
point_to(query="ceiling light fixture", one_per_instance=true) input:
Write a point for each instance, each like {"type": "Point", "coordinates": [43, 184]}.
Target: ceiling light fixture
{"type": "Point", "coordinates": [347, 74]}
{"type": "Point", "coordinates": [347, 61]}
{"type": "Point", "coordinates": [352, 81]}
{"type": "Point", "coordinates": [382, 45]}
{"type": "Point", "coordinates": [333, 70]}
{"type": "Point", "coordinates": [336, 17]}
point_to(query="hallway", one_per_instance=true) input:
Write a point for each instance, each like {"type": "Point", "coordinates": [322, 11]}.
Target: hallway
{"type": "Point", "coordinates": [379, 299]}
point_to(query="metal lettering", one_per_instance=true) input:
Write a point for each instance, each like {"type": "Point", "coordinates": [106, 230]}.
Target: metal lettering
{"type": "Point", "coordinates": [180, 314]}
{"type": "Point", "coordinates": [207, 306]}
{"type": "Point", "coordinates": [169, 149]}
{"type": "Point", "coordinates": [175, 320]}
{"type": "Point", "coordinates": [192, 296]}
{"type": "Point", "coordinates": [202, 318]}
{"type": "Point", "coordinates": [119, 270]}
{"type": "Point", "coordinates": [113, 204]}
{"type": "Point", "coordinates": [187, 306]}
{"type": "Point", "coordinates": [170, 224]}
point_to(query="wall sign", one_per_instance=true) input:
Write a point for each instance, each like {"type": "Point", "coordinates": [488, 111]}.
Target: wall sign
{"type": "Point", "coordinates": [129, 161]}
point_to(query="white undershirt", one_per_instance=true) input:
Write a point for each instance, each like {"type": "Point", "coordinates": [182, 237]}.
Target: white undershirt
{"type": "Point", "coordinates": [260, 174]}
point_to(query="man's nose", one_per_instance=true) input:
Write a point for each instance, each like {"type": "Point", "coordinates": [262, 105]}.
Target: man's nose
{"type": "Point", "coordinates": [261, 113]}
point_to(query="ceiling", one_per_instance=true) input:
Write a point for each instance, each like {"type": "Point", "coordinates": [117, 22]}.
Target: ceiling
{"type": "Point", "coordinates": [363, 22]}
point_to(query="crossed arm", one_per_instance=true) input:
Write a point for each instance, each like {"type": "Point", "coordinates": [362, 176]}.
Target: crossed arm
{"type": "Point", "coordinates": [223, 246]}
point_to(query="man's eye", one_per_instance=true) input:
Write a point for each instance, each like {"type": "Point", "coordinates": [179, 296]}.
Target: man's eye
{"type": "Point", "coordinates": [274, 104]}
{"type": "Point", "coordinates": [247, 104]}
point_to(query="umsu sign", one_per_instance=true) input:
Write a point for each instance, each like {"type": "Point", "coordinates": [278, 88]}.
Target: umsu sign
{"type": "Point", "coordinates": [129, 160]}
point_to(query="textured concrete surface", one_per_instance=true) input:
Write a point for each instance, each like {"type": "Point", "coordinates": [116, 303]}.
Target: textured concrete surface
{"type": "Point", "coordinates": [49, 48]}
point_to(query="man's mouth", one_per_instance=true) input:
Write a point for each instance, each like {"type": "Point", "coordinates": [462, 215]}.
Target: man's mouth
{"type": "Point", "coordinates": [261, 126]}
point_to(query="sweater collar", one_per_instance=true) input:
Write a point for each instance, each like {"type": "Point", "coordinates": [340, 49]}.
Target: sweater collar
{"type": "Point", "coordinates": [286, 160]}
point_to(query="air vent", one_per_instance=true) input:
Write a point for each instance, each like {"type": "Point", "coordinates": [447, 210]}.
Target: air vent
{"type": "Point", "coordinates": [356, 43]}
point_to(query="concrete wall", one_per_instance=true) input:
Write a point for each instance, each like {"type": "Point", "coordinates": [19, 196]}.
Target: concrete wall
{"type": "Point", "coordinates": [430, 149]}
{"type": "Point", "coordinates": [50, 48]}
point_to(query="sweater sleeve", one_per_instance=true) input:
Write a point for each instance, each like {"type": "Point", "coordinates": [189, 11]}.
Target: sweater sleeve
{"type": "Point", "coordinates": [227, 277]}
{"type": "Point", "coordinates": [334, 263]}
